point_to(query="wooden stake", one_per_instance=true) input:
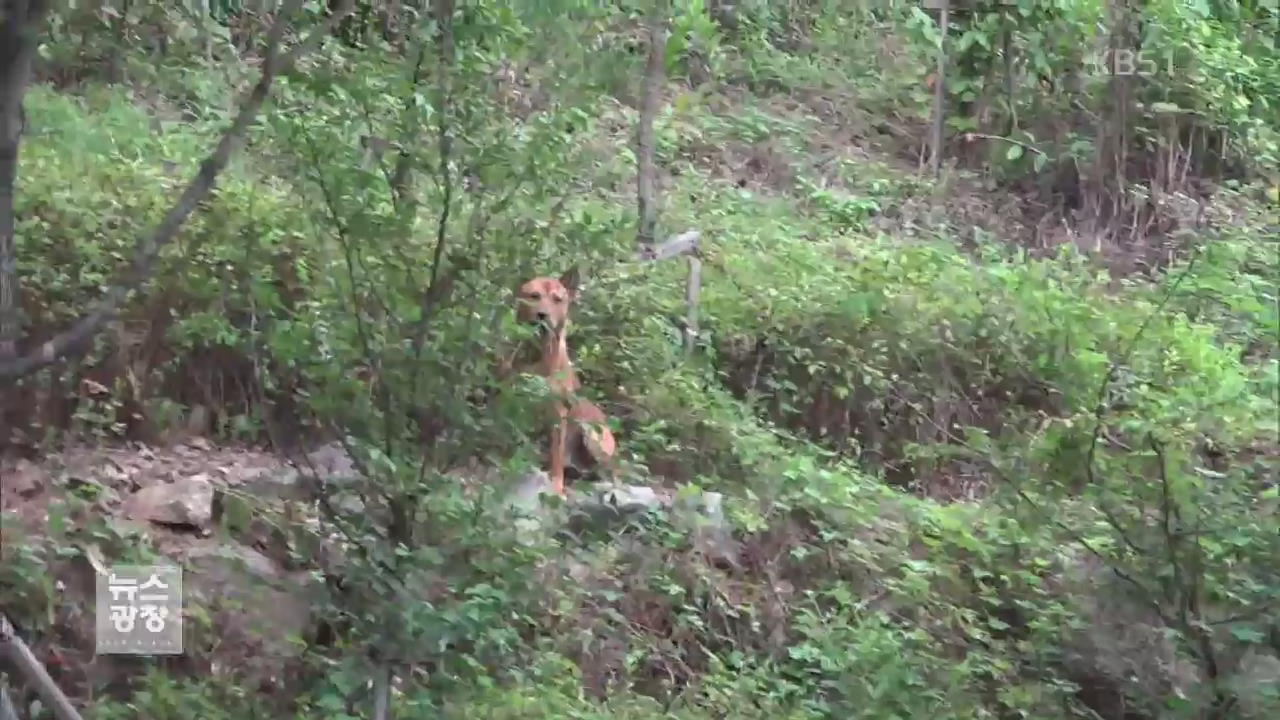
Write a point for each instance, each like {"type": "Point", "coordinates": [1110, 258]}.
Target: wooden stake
{"type": "Point", "coordinates": [692, 293]}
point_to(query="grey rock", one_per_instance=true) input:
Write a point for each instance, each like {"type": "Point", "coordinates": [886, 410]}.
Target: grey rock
{"type": "Point", "coordinates": [252, 599]}
{"type": "Point", "coordinates": [700, 507]}
{"type": "Point", "coordinates": [601, 505]}
{"type": "Point", "coordinates": [1256, 683]}
{"type": "Point", "coordinates": [222, 564]}
{"type": "Point", "coordinates": [526, 503]}
{"type": "Point", "coordinates": [348, 503]}
{"type": "Point", "coordinates": [1122, 645]}
{"type": "Point", "coordinates": [701, 514]}
{"type": "Point", "coordinates": [527, 493]}
{"type": "Point", "coordinates": [188, 501]}
{"type": "Point", "coordinates": [25, 478]}
{"type": "Point", "coordinates": [330, 460]}
{"type": "Point", "coordinates": [277, 484]}
{"type": "Point", "coordinates": [629, 498]}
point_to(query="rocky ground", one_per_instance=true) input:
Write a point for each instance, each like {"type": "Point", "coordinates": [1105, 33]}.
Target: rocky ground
{"type": "Point", "coordinates": [216, 511]}
{"type": "Point", "coordinates": [249, 600]}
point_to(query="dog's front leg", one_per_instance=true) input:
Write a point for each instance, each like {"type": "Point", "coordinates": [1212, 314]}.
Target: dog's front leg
{"type": "Point", "coordinates": [559, 433]}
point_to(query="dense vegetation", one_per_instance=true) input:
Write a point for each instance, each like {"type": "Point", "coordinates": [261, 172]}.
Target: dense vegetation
{"type": "Point", "coordinates": [997, 443]}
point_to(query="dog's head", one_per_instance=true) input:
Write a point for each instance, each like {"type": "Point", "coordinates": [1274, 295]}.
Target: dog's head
{"type": "Point", "coordinates": [544, 301]}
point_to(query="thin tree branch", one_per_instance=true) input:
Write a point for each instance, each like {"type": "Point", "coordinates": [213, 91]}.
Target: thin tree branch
{"type": "Point", "coordinates": [76, 339]}
{"type": "Point", "coordinates": [1025, 146]}
{"type": "Point", "coordinates": [403, 508]}
{"type": "Point", "coordinates": [1100, 404]}
{"type": "Point", "coordinates": [1143, 592]}
{"type": "Point", "coordinates": [380, 389]}
{"type": "Point", "coordinates": [433, 292]}
{"type": "Point", "coordinates": [399, 179]}
{"type": "Point", "coordinates": [1171, 538]}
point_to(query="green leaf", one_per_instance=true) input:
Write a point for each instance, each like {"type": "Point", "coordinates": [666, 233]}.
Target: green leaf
{"type": "Point", "coordinates": [1247, 634]}
{"type": "Point", "coordinates": [1040, 161]}
{"type": "Point", "coordinates": [1015, 152]}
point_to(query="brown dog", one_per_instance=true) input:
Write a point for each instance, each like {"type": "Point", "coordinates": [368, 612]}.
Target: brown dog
{"type": "Point", "coordinates": [581, 437]}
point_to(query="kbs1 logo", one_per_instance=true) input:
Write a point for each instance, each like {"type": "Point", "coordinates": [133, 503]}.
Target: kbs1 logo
{"type": "Point", "coordinates": [1126, 62]}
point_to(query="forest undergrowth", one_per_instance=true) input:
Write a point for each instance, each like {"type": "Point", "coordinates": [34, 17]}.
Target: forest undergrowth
{"type": "Point", "coordinates": [995, 439]}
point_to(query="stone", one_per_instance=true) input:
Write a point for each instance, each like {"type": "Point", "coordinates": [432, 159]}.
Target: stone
{"type": "Point", "coordinates": [697, 506]}
{"type": "Point", "coordinates": [474, 474]}
{"type": "Point", "coordinates": [251, 600]}
{"type": "Point", "coordinates": [348, 503]}
{"type": "Point", "coordinates": [621, 499]}
{"type": "Point", "coordinates": [222, 563]}
{"type": "Point", "coordinates": [331, 467]}
{"type": "Point", "coordinates": [188, 501]}
{"type": "Point", "coordinates": [277, 484]}
{"type": "Point", "coordinates": [605, 504]}
{"type": "Point", "coordinates": [1256, 683]}
{"type": "Point", "coordinates": [330, 460]}
{"type": "Point", "coordinates": [601, 505]}
{"type": "Point", "coordinates": [1121, 649]}
{"type": "Point", "coordinates": [527, 493]}
{"type": "Point", "coordinates": [24, 479]}
{"type": "Point", "coordinates": [526, 502]}
{"type": "Point", "coordinates": [701, 514]}
{"type": "Point", "coordinates": [631, 498]}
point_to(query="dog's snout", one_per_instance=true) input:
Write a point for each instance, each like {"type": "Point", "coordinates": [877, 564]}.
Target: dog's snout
{"type": "Point", "coordinates": [542, 316]}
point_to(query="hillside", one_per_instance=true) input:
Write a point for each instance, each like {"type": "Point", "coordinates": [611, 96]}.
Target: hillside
{"type": "Point", "coordinates": [987, 432]}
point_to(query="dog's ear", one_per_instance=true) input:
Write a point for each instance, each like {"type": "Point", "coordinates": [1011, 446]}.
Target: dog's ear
{"type": "Point", "coordinates": [570, 281]}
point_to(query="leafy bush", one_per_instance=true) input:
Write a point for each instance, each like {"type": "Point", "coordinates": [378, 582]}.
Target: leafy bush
{"type": "Point", "coordinates": [353, 278]}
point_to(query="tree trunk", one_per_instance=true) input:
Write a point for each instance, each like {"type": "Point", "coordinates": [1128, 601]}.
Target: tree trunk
{"type": "Point", "coordinates": [18, 22]}
{"type": "Point", "coordinates": [654, 74]}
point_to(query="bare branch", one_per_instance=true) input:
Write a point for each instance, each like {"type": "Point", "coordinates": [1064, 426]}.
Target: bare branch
{"type": "Point", "coordinates": [76, 339]}
{"type": "Point", "coordinates": [21, 656]}
{"type": "Point", "coordinates": [357, 307]}
{"type": "Point", "coordinates": [1019, 143]}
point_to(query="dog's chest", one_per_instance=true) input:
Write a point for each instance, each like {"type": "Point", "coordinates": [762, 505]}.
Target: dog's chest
{"type": "Point", "coordinates": [549, 362]}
